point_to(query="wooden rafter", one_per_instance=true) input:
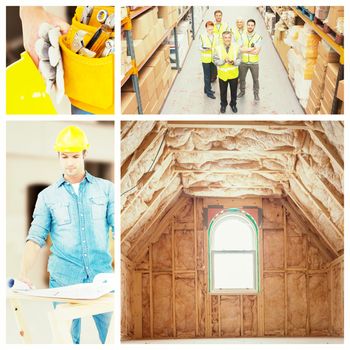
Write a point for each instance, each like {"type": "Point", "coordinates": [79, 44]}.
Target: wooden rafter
{"type": "Point", "coordinates": [142, 237]}
{"type": "Point", "coordinates": [338, 199]}
{"type": "Point", "coordinates": [226, 152]}
{"type": "Point", "coordinates": [158, 227]}
{"type": "Point", "coordinates": [299, 125]}
{"type": "Point", "coordinates": [323, 246]}
{"type": "Point", "coordinates": [151, 206]}
{"type": "Point", "coordinates": [139, 153]}
{"type": "Point", "coordinates": [319, 205]}
{"type": "Point", "coordinates": [328, 148]}
{"type": "Point", "coordinates": [148, 178]}
{"type": "Point", "coordinates": [308, 221]}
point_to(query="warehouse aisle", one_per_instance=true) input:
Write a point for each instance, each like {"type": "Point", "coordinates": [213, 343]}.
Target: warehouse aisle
{"type": "Point", "coordinates": [276, 92]}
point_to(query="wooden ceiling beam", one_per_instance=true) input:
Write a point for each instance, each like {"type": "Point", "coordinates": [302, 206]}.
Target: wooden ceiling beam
{"type": "Point", "coordinates": [236, 124]}
{"type": "Point", "coordinates": [320, 139]}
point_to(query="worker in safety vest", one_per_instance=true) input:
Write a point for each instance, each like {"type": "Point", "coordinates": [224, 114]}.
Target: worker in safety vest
{"type": "Point", "coordinates": [219, 28]}
{"type": "Point", "coordinates": [250, 59]}
{"type": "Point", "coordinates": [238, 31]}
{"type": "Point", "coordinates": [227, 58]}
{"type": "Point", "coordinates": [208, 41]}
{"type": "Point", "coordinates": [78, 213]}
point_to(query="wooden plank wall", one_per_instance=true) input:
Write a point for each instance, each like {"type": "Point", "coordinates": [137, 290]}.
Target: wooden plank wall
{"type": "Point", "coordinates": [301, 292]}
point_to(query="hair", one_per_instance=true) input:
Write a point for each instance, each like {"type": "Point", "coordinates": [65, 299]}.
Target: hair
{"type": "Point", "coordinates": [209, 23]}
{"type": "Point", "coordinates": [217, 11]}
{"type": "Point", "coordinates": [226, 32]}
{"type": "Point", "coordinates": [251, 20]}
{"type": "Point", "coordinates": [239, 19]}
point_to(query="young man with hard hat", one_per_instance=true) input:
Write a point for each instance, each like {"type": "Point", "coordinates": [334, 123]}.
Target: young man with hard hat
{"type": "Point", "coordinates": [227, 58]}
{"type": "Point", "coordinates": [219, 28]}
{"type": "Point", "coordinates": [78, 213]}
{"type": "Point", "coordinates": [250, 59]}
{"type": "Point", "coordinates": [207, 42]}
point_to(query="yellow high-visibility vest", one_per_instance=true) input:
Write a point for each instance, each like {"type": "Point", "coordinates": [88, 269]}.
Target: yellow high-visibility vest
{"type": "Point", "coordinates": [238, 35]}
{"type": "Point", "coordinates": [207, 55]}
{"type": "Point", "coordinates": [247, 43]}
{"type": "Point", "coordinates": [219, 29]}
{"type": "Point", "coordinates": [228, 71]}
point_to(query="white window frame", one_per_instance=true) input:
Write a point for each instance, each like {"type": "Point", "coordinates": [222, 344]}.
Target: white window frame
{"type": "Point", "coordinates": [234, 212]}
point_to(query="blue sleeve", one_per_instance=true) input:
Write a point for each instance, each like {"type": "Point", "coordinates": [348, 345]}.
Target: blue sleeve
{"type": "Point", "coordinates": [110, 207]}
{"type": "Point", "coordinates": [41, 224]}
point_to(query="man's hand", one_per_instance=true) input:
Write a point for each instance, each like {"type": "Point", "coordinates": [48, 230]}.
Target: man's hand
{"type": "Point", "coordinates": [32, 17]}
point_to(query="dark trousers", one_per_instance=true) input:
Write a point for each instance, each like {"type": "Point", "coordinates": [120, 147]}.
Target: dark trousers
{"type": "Point", "coordinates": [223, 92]}
{"type": "Point", "coordinates": [243, 70]}
{"type": "Point", "coordinates": [214, 72]}
{"type": "Point", "coordinates": [207, 70]}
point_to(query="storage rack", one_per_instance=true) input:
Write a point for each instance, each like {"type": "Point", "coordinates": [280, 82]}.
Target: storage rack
{"type": "Point", "coordinates": [132, 73]}
{"type": "Point", "coordinates": [319, 31]}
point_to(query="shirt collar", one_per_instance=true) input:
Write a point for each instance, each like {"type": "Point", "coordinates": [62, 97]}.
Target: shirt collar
{"type": "Point", "coordinates": [88, 178]}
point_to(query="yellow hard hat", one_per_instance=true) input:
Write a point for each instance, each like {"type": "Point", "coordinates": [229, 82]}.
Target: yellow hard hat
{"type": "Point", "coordinates": [25, 89]}
{"type": "Point", "coordinates": [71, 139]}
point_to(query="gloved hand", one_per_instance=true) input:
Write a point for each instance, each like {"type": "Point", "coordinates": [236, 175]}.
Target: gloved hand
{"type": "Point", "coordinates": [50, 60]}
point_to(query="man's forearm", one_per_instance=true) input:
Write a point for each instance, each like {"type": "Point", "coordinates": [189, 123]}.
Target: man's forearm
{"type": "Point", "coordinates": [31, 252]}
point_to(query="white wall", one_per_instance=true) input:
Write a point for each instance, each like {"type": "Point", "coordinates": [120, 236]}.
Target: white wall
{"type": "Point", "coordinates": [32, 160]}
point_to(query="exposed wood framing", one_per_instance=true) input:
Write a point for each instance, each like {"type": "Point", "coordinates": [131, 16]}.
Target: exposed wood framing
{"type": "Point", "coordinates": [237, 124]}
{"type": "Point", "coordinates": [318, 205]}
{"type": "Point", "coordinates": [329, 149]}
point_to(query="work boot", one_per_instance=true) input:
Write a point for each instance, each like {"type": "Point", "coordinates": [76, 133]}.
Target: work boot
{"type": "Point", "coordinates": [241, 94]}
{"type": "Point", "coordinates": [223, 110]}
{"type": "Point", "coordinates": [234, 109]}
{"type": "Point", "coordinates": [211, 96]}
{"type": "Point", "coordinates": [212, 91]}
{"type": "Point", "coordinates": [256, 97]}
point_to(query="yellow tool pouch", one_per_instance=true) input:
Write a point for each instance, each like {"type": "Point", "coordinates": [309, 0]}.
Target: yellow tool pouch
{"type": "Point", "coordinates": [89, 82]}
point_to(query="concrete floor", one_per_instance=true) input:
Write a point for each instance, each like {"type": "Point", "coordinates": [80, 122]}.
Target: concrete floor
{"type": "Point", "coordinates": [276, 92]}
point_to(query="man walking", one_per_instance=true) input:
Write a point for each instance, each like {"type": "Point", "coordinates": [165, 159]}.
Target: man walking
{"type": "Point", "coordinates": [78, 212]}
{"type": "Point", "coordinates": [227, 59]}
{"type": "Point", "coordinates": [250, 59]}
{"type": "Point", "coordinates": [219, 28]}
{"type": "Point", "coordinates": [207, 42]}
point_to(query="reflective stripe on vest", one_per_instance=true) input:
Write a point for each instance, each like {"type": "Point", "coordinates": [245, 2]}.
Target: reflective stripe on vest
{"type": "Point", "coordinates": [247, 57]}
{"type": "Point", "coordinates": [207, 56]}
{"type": "Point", "coordinates": [228, 71]}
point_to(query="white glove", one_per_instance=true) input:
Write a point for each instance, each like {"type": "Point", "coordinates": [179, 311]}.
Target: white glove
{"type": "Point", "coordinates": [50, 60]}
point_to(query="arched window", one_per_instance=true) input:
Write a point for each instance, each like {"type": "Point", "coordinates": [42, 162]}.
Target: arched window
{"type": "Point", "coordinates": [233, 252]}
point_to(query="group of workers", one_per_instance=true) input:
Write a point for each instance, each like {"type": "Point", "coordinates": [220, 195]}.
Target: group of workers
{"type": "Point", "coordinates": [228, 53]}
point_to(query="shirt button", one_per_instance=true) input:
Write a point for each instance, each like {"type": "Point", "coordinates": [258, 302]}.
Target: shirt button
{"type": "Point", "coordinates": [83, 228]}
{"type": "Point", "coordinates": [81, 214]}
{"type": "Point", "coordinates": [85, 254]}
{"type": "Point", "coordinates": [84, 241]}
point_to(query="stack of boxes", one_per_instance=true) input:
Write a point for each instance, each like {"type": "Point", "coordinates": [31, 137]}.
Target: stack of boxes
{"type": "Point", "coordinates": [323, 81]}
{"type": "Point", "coordinates": [154, 83]}
{"type": "Point", "coordinates": [335, 19]}
{"type": "Point", "coordinates": [169, 14]}
{"type": "Point", "coordinates": [147, 31]}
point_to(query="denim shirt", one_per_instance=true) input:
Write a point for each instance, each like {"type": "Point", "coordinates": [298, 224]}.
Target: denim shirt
{"type": "Point", "coordinates": [79, 228]}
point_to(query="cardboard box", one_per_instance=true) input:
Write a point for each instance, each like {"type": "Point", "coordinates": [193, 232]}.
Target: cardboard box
{"type": "Point", "coordinates": [328, 54]}
{"type": "Point", "coordinates": [167, 74]}
{"type": "Point", "coordinates": [340, 91]}
{"type": "Point", "coordinates": [316, 100]}
{"type": "Point", "coordinates": [311, 107]}
{"type": "Point", "coordinates": [321, 63]}
{"type": "Point", "coordinates": [317, 89]}
{"type": "Point", "coordinates": [154, 15]}
{"type": "Point", "coordinates": [157, 62]}
{"type": "Point", "coordinates": [128, 103]}
{"type": "Point", "coordinates": [141, 25]}
{"type": "Point", "coordinates": [140, 52]}
{"type": "Point", "coordinates": [320, 77]}
{"type": "Point", "coordinates": [324, 109]}
{"type": "Point", "coordinates": [328, 98]}
{"type": "Point", "coordinates": [332, 72]}
{"type": "Point", "coordinates": [334, 13]}
{"type": "Point", "coordinates": [160, 88]}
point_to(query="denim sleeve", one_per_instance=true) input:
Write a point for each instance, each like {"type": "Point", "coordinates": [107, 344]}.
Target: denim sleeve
{"type": "Point", "coordinates": [41, 224]}
{"type": "Point", "coordinates": [110, 207]}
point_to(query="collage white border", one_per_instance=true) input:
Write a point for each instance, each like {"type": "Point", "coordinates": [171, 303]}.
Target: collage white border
{"type": "Point", "coordinates": [117, 118]}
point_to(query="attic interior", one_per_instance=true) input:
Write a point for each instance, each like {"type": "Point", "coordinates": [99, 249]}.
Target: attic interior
{"type": "Point", "coordinates": [177, 177]}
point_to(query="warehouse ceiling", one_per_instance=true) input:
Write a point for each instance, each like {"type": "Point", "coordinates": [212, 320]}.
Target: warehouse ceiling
{"type": "Point", "coordinates": [302, 162]}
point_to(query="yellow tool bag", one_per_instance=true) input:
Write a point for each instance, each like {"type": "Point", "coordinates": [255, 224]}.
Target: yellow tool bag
{"type": "Point", "coordinates": [89, 82]}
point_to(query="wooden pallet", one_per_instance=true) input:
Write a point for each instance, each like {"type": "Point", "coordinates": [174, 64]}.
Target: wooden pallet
{"type": "Point", "coordinates": [306, 13]}
{"type": "Point", "coordinates": [337, 37]}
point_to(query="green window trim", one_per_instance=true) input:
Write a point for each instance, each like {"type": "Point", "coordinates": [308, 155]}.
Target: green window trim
{"type": "Point", "coordinates": [256, 230]}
